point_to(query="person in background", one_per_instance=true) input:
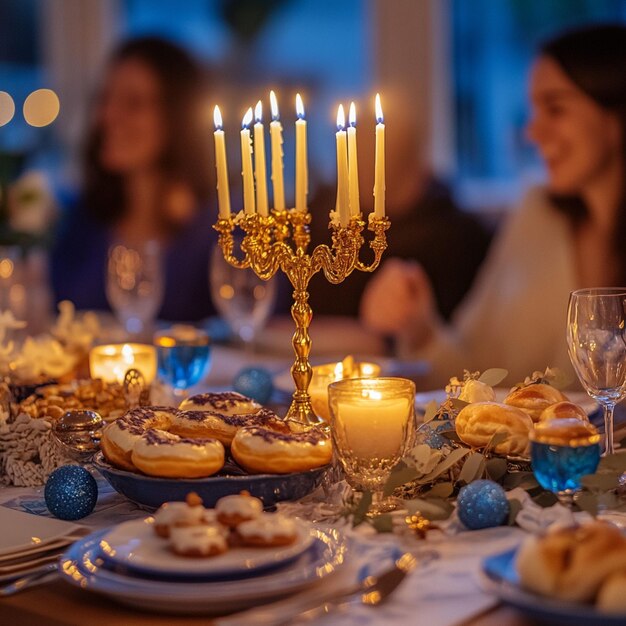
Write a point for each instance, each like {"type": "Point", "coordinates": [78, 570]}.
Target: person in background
{"type": "Point", "coordinates": [427, 228]}
{"type": "Point", "coordinates": [566, 236]}
{"type": "Point", "coordinates": [147, 177]}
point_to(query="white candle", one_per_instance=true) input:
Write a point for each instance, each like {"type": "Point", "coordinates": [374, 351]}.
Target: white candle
{"type": "Point", "coordinates": [246, 164]}
{"type": "Point", "coordinates": [342, 207]}
{"type": "Point", "coordinates": [379, 170]}
{"type": "Point", "coordinates": [276, 136]}
{"type": "Point", "coordinates": [302, 182]}
{"type": "Point", "coordinates": [111, 362]}
{"type": "Point", "coordinates": [260, 174]}
{"type": "Point", "coordinates": [353, 167]}
{"type": "Point", "coordinates": [374, 427]}
{"type": "Point", "coordinates": [223, 191]}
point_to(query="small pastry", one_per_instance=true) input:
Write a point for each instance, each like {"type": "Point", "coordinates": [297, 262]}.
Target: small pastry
{"type": "Point", "coordinates": [233, 510]}
{"type": "Point", "coordinates": [534, 398]}
{"type": "Point", "coordinates": [267, 530]}
{"type": "Point", "coordinates": [188, 513]}
{"type": "Point", "coordinates": [560, 410]}
{"type": "Point", "coordinates": [197, 541]}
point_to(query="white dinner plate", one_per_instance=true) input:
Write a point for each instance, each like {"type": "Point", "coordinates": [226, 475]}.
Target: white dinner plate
{"type": "Point", "coordinates": [24, 532]}
{"type": "Point", "coordinates": [134, 545]}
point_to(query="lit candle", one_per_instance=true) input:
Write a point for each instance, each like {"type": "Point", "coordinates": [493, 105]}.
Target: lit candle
{"type": "Point", "coordinates": [302, 182]}
{"type": "Point", "coordinates": [246, 164]}
{"type": "Point", "coordinates": [259, 161]}
{"type": "Point", "coordinates": [342, 207]}
{"type": "Point", "coordinates": [223, 192]}
{"type": "Point", "coordinates": [276, 135]}
{"type": "Point", "coordinates": [379, 170]}
{"type": "Point", "coordinates": [353, 167]}
{"type": "Point", "coordinates": [111, 362]}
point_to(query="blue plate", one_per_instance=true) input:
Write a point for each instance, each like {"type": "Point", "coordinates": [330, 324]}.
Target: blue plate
{"type": "Point", "coordinates": [502, 579]}
{"type": "Point", "coordinates": [153, 492]}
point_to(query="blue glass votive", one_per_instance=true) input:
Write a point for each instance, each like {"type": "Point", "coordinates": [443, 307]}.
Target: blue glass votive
{"type": "Point", "coordinates": [562, 452]}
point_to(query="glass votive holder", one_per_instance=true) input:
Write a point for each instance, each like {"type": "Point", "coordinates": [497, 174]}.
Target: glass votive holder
{"type": "Point", "coordinates": [562, 452]}
{"type": "Point", "coordinates": [324, 375]}
{"type": "Point", "coordinates": [110, 362]}
{"type": "Point", "coordinates": [372, 424]}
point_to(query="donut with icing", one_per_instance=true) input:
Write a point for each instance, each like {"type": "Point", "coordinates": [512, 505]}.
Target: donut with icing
{"type": "Point", "coordinates": [267, 530]}
{"type": "Point", "coordinates": [259, 449]}
{"type": "Point", "coordinates": [233, 510]}
{"type": "Point", "coordinates": [160, 453]}
{"type": "Point", "coordinates": [227, 402]}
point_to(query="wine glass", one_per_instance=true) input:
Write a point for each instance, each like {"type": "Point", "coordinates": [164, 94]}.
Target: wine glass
{"type": "Point", "coordinates": [243, 299]}
{"type": "Point", "coordinates": [135, 284]}
{"type": "Point", "coordinates": [596, 323]}
{"type": "Point", "coordinates": [372, 423]}
{"type": "Point", "coordinates": [184, 356]}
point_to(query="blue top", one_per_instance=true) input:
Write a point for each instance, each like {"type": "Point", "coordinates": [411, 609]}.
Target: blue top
{"type": "Point", "coordinates": [79, 261]}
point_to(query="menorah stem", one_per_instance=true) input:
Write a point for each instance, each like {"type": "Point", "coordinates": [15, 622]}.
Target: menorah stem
{"type": "Point", "coordinates": [301, 371]}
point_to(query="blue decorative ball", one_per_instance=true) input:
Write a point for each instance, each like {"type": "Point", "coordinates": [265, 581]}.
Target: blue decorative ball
{"type": "Point", "coordinates": [254, 382]}
{"type": "Point", "coordinates": [71, 492]}
{"type": "Point", "coordinates": [482, 504]}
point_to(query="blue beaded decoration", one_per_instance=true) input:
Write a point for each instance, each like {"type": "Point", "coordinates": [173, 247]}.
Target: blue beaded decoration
{"type": "Point", "coordinates": [254, 382]}
{"type": "Point", "coordinates": [482, 504]}
{"type": "Point", "coordinates": [71, 492]}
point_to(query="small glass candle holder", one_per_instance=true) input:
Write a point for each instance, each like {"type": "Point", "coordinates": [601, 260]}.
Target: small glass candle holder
{"type": "Point", "coordinates": [372, 427]}
{"type": "Point", "coordinates": [562, 452]}
{"type": "Point", "coordinates": [110, 362]}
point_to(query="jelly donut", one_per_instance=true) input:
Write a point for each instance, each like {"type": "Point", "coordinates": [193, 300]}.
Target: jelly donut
{"type": "Point", "coordinates": [120, 436]}
{"type": "Point", "coordinates": [198, 541]}
{"type": "Point", "coordinates": [227, 402]}
{"type": "Point", "coordinates": [261, 449]}
{"type": "Point", "coordinates": [267, 530]}
{"type": "Point", "coordinates": [159, 453]}
{"type": "Point", "coordinates": [233, 510]}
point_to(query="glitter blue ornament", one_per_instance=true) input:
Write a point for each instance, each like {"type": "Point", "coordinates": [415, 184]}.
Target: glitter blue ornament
{"type": "Point", "coordinates": [71, 492]}
{"type": "Point", "coordinates": [482, 504]}
{"type": "Point", "coordinates": [254, 382]}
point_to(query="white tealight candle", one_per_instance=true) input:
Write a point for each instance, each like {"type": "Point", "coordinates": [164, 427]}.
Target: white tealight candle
{"type": "Point", "coordinates": [342, 206]}
{"type": "Point", "coordinates": [246, 164]}
{"type": "Point", "coordinates": [379, 170]}
{"type": "Point", "coordinates": [223, 191]}
{"type": "Point", "coordinates": [276, 135]}
{"type": "Point", "coordinates": [353, 167]}
{"type": "Point", "coordinates": [302, 182]}
{"type": "Point", "coordinates": [111, 362]}
{"type": "Point", "coordinates": [259, 161]}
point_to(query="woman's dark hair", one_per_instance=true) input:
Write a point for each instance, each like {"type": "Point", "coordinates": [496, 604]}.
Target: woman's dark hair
{"type": "Point", "coordinates": [186, 155]}
{"type": "Point", "coordinates": [594, 58]}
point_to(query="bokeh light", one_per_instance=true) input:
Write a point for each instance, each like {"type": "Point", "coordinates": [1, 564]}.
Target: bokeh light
{"type": "Point", "coordinates": [41, 107]}
{"type": "Point", "coordinates": [7, 108]}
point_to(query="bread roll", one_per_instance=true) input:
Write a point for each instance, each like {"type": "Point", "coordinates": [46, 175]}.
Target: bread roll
{"type": "Point", "coordinates": [477, 423]}
{"type": "Point", "coordinates": [572, 563]}
{"type": "Point", "coordinates": [533, 399]}
{"type": "Point", "coordinates": [561, 410]}
{"type": "Point", "coordinates": [612, 594]}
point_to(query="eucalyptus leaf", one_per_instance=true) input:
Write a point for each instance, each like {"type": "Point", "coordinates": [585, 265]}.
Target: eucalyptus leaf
{"type": "Point", "coordinates": [496, 439]}
{"type": "Point", "coordinates": [399, 477]}
{"type": "Point", "coordinates": [431, 412]}
{"type": "Point", "coordinates": [458, 404]}
{"type": "Point", "coordinates": [496, 468]}
{"type": "Point", "coordinates": [451, 435]}
{"type": "Point", "coordinates": [493, 376]}
{"type": "Point", "coordinates": [558, 378]}
{"type": "Point", "coordinates": [360, 512]}
{"type": "Point", "coordinates": [452, 459]}
{"type": "Point", "coordinates": [588, 502]}
{"type": "Point", "coordinates": [473, 467]}
{"type": "Point", "coordinates": [600, 482]}
{"type": "Point", "coordinates": [383, 523]}
{"type": "Point", "coordinates": [613, 462]}
{"type": "Point", "coordinates": [545, 499]}
{"type": "Point", "coordinates": [524, 480]}
{"type": "Point", "coordinates": [431, 508]}
{"type": "Point", "coordinates": [515, 506]}
{"type": "Point", "coordinates": [440, 490]}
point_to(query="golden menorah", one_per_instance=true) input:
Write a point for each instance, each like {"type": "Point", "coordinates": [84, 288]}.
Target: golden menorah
{"type": "Point", "coordinates": [280, 241]}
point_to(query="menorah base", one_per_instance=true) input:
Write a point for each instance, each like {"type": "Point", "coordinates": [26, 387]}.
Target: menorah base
{"type": "Point", "coordinates": [302, 411]}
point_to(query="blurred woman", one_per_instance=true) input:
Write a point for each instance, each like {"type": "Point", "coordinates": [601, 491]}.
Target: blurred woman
{"type": "Point", "coordinates": [147, 177]}
{"type": "Point", "coordinates": [567, 236]}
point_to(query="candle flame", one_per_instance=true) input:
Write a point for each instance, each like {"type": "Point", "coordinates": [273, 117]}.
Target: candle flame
{"type": "Point", "coordinates": [379, 109]}
{"type": "Point", "coordinates": [258, 111]}
{"type": "Point", "coordinates": [299, 107]}
{"type": "Point", "coordinates": [247, 118]}
{"type": "Point", "coordinates": [338, 373]}
{"type": "Point", "coordinates": [217, 118]}
{"type": "Point", "coordinates": [127, 354]}
{"type": "Point", "coordinates": [352, 114]}
{"type": "Point", "coordinates": [273, 105]}
{"type": "Point", "coordinates": [341, 118]}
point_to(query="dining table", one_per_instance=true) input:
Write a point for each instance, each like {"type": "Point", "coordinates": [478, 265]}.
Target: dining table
{"type": "Point", "coordinates": [446, 588]}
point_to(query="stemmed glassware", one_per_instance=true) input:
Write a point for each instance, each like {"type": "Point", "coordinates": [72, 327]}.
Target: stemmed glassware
{"type": "Point", "coordinates": [135, 284]}
{"type": "Point", "coordinates": [596, 323]}
{"type": "Point", "coordinates": [243, 299]}
{"type": "Point", "coordinates": [372, 426]}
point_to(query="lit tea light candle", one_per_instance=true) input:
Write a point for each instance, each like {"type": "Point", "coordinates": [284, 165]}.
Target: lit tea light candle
{"type": "Point", "coordinates": [353, 166]}
{"type": "Point", "coordinates": [302, 182]}
{"type": "Point", "coordinates": [379, 168]}
{"type": "Point", "coordinates": [259, 161]}
{"type": "Point", "coordinates": [246, 164]}
{"type": "Point", "coordinates": [276, 136]}
{"type": "Point", "coordinates": [342, 205]}
{"type": "Point", "coordinates": [111, 362]}
{"type": "Point", "coordinates": [223, 191]}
